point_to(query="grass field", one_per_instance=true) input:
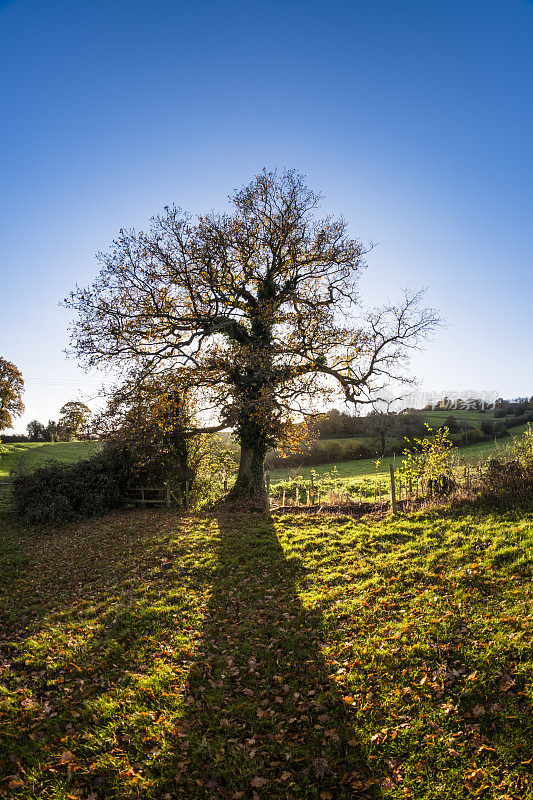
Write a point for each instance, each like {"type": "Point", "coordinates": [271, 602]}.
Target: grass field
{"type": "Point", "coordinates": [30, 455]}
{"type": "Point", "coordinates": [11, 454]}
{"type": "Point", "coordinates": [473, 418]}
{"type": "Point", "coordinates": [366, 467]}
{"type": "Point", "coordinates": [152, 655]}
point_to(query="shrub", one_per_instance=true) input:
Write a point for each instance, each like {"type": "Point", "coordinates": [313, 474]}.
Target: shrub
{"type": "Point", "coordinates": [511, 479]}
{"type": "Point", "coordinates": [58, 493]}
{"type": "Point", "coordinates": [521, 419]}
{"type": "Point", "coordinates": [358, 450]}
{"type": "Point", "coordinates": [429, 460]}
{"type": "Point", "coordinates": [500, 428]}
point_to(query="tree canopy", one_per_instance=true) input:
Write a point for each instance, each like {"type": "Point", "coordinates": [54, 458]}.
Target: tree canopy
{"type": "Point", "coordinates": [74, 418]}
{"type": "Point", "coordinates": [11, 389]}
{"type": "Point", "coordinates": [257, 308]}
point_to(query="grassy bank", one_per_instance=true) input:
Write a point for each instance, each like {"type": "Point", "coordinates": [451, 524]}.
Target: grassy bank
{"type": "Point", "coordinates": [153, 655]}
{"type": "Point", "coordinates": [31, 455]}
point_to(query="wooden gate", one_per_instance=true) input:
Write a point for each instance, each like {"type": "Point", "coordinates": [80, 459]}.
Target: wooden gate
{"type": "Point", "coordinates": [5, 495]}
{"type": "Point", "coordinates": [165, 495]}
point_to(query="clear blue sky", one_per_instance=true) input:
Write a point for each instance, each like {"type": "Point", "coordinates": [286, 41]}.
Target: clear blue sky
{"type": "Point", "coordinates": [414, 118]}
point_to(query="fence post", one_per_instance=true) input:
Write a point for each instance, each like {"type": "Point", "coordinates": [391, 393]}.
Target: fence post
{"type": "Point", "coordinates": [268, 492]}
{"type": "Point", "coordinates": [187, 495]}
{"type": "Point", "coordinates": [392, 490]}
{"type": "Point", "coordinates": [283, 500]}
{"type": "Point", "coordinates": [225, 483]}
{"type": "Point", "coordinates": [167, 497]}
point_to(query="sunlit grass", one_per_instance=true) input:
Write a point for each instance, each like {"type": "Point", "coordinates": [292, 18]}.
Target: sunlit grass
{"type": "Point", "coordinates": [147, 654]}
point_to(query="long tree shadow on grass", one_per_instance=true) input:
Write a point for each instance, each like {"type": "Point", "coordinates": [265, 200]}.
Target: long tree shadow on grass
{"type": "Point", "coordinates": [264, 718]}
{"type": "Point", "coordinates": [104, 700]}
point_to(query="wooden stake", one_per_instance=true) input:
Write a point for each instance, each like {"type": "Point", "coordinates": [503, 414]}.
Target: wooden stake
{"type": "Point", "coordinates": [392, 490]}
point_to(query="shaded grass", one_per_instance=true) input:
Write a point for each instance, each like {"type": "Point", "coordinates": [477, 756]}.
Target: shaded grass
{"type": "Point", "coordinates": [153, 655]}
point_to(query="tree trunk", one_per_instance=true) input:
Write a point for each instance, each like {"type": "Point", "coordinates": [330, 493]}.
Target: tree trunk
{"type": "Point", "coordinates": [250, 484]}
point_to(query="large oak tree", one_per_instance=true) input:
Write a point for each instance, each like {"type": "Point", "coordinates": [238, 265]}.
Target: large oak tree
{"type": "Point", "coordinates": [257, 308]}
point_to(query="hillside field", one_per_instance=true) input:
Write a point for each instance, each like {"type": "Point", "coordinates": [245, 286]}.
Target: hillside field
{"type": "Point", "coordinates": [159, 655]}
{"type": "Point", "coordinates": [30, 455]}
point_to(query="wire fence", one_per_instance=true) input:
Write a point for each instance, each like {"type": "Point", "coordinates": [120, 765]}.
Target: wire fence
{"type": "Point", "coordinates": [392, 491]}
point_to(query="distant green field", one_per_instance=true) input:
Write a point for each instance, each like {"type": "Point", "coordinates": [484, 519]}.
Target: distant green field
{"type": "Point", "coordinates": [366, 468]}
{"type": "Point", "coordinates": [474, 418]}
{"type": "Point", "coordinates": [435, 419]}
{"type": "Point", "coordinates": [31, 455]}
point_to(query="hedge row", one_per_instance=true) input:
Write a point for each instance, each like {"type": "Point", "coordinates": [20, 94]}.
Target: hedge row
{"type": "Point", "coordinates": [58, 493]}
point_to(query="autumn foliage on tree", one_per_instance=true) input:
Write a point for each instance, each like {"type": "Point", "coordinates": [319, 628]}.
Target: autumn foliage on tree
{"type": "Point", "coordinates": [74, 419]}
{"type": "Point", "coordinates": [256, 308]}
{"type": "Point", "coordinates": [11, 389]}
{"type": "Point", "coordinates": [151, 419]}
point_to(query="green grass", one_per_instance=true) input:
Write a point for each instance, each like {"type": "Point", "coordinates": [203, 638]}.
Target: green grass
{"type": "Point", "coordinates": [31, 455]}
{"type": "Point", "coordinates": [11, 454]}
{"type": "Point", "coordinates": [152, 655]}
{"type": "Point", "coordinates": [473, 418]}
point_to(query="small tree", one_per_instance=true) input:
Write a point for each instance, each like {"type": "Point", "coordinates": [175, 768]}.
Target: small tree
{"type": "Point", "coordinates": [257, 309]}
{"type": "Point", "coordinates": [36, 431]}
{"type": "Point", "coordinates": [380, 425]}
{"type": "Point", "coordinates": [451, 423]}
{"type": "Point", "coordinates": [51, 431]}
{"type": "Point", "coordinates": [74, 419]}
{"type": "Point", "coordinates": [429, 460]}
{"type": "Point", "coordinates": [151, 418]}
{"type": "Point", "coordinates": [11, 389]}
